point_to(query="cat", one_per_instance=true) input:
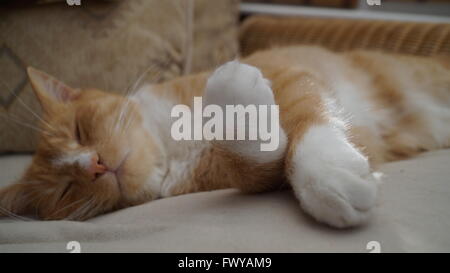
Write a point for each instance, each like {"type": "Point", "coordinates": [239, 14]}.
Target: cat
{"type": "Point", "coordinates": [341, 115]}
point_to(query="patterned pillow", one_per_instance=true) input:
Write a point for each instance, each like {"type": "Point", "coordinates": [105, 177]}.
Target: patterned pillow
{"type": "Point", "coordinates": [105, 44]}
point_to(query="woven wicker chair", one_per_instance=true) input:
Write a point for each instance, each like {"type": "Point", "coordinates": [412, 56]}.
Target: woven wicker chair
{"type": "Point", "coordinates": [426, 39]}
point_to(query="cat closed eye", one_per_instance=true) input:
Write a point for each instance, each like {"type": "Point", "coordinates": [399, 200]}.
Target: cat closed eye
{"type": "Point", "coordinates": [78, 135]}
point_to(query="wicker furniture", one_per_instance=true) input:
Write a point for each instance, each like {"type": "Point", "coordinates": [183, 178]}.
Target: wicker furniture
{"type": "Point", "coordinates": [426, 39]}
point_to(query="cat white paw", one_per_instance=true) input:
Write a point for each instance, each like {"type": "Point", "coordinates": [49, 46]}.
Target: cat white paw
{"type": "Point", "coordinates": [332, 179]}
{"type": "Point", "coordinates": [234, 84]}
{"type": "Point", "coordinates": [237, 83]}
{"type": "Point", "coordinates": [343, 199]}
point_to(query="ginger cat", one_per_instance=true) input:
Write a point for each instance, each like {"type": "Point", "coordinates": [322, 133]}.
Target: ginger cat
{"type": "Point", "coordinates": [339, 114]}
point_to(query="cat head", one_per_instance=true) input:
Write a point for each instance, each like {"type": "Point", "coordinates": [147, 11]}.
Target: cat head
{"type": "Point", "coordinates": [93, 156]}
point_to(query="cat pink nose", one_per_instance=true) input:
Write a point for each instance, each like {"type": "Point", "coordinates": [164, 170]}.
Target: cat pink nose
{"type": "Point", "coordinates": [96, 168]}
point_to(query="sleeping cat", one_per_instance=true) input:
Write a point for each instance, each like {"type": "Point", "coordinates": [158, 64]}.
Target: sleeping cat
{"type": "Point", "coordinates": [340, 116]}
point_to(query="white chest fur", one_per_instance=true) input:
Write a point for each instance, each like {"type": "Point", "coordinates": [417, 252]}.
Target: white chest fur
{"type": "Point", "coordinates": [178, 158]}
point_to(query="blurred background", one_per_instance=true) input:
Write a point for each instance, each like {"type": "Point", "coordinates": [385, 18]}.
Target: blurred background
{"type": "Point", "coordinates": [419, 7]}
{"type": "Point", "coordinates": [109, 44]}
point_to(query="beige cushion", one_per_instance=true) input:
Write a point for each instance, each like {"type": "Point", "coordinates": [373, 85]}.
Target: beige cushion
{"type": "Point", "coordinates": [105, 45]}
{"type": "Point", "coordinates": [413, 215]}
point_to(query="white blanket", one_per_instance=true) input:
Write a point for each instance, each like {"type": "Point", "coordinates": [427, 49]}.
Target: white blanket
{"type": "Point", "coordinates": [413, 215]}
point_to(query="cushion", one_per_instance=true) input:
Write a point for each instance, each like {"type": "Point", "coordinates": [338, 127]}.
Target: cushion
{"type": "Point", "coordinates": [412, 215]}
{"type": "Point", "coordinates": [105, 44]}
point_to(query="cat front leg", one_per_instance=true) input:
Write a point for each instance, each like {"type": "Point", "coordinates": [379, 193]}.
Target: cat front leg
{"type": "Point", "coordinates": [243, 164]}
{"type": "Point", "coordinates": [238, 84]}
{"type": "Point", "coordinates": [331, 178]}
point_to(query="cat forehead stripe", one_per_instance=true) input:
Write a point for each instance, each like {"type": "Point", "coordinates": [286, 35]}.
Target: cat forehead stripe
{"type": "Point", "coordinates": [83, 159]}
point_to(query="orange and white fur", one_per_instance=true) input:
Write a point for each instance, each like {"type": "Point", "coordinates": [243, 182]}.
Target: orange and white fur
{"type": "Point", "coordinates": [340, 115]}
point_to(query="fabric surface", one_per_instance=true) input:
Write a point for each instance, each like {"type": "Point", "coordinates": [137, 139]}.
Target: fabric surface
{"type": "Point", "coordinates": [412, 216]}
{"type": "Point", "coordinates": [108, 45]}
{"type": "Point", "coordinates": [426, 39]}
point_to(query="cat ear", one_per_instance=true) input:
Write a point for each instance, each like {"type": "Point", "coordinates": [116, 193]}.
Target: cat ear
{"type": "Point", "coordinates": [50, 90]}
{"type": "Point", "coordinates": [13, 200]}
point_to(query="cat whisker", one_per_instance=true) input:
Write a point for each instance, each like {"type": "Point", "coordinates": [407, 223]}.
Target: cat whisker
{"type": "Point", "coordinates": [16, 120]}
{"type": "Point", "coordinates": [139, 80]}
{"type": "Point", "coordinates": [13, 215]}
{"type": "Point", "coordinates": [129, 123]}
{"type": "Point", "coordinates": [94, 210]}
{"type": "Point", "coordinates": [32, 112]}
{"type": "Point", "coordinates": [38, 203]}
{"type": "Point", "coordinates": [91, 210]}
{"type": "Point", "coordinates": [80, 211]}
{"type": "Point", "coordinates": [68, 206]}
{"type": "Point", "coordinates": [133, 90]}
{"type": "Point", "coordinates": [121, 115]}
